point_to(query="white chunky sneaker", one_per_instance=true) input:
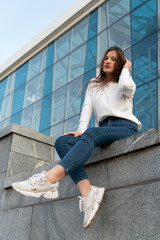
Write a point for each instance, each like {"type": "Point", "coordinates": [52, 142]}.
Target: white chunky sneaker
{"type": "Point", "coordinates": [90, 204]}
{"type": "Point", "coordinates": [37, 186]}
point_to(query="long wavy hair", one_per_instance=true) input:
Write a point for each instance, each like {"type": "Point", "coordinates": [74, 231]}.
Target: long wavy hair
{"type": "Point", "coordinates": [102, 79]}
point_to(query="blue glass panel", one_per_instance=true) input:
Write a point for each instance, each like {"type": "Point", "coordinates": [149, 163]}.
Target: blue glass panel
{"type": "Point", "coordinates": [35, 66]}
{"type": "Point", "coordinates": [136, 3]}
{"type": "Point", "coordinates": [159, 53]}
{"type": "Point", "coordinates": [60, 73]}
{"type": "Point", "coordinates": [91, 54]}
{"type": "Point", "coordinates": [57, 130]}
{"type": "Point", "coordinates": [93, 24]}
{"type": "Point", "coordinates": [1, 125]}
{"type": "Point", "coordinates": [34, 90]}
{"type": "Point", "coordinates": [7, 122]}
{"type": "Point", "coordinates": [62, 46]}
{"type": "Point", "coordinates": [26, 118]}
{"type": "Point", "coordinates": [46, 113]}
{"type": "Point", "coordinates": [46, 132]}
{"type": "Point", "coordinates": [10, 84]}
{"type": "Point", "coordinates": [58, 105]}
{"type": "Point", "coordinates": [18, 100]}
{"type": "Point", "coordinates": [50, 55]}
{"type": "Point", "coordinates": [145, 60]}
{"type": "Point", "coordinates": [117, 9]}
{"type": "Point", "coordinates": [71, 124]}
{"type": "Point", "coordinates": [74, 91]}
{"type": "Point", "coordinates": [6, 108]}
{"type": "Point", "coordinates": [21, 75]}
{"type": "Point", "coordinates": [36, 116]}
{"type": "Point", "coordinates": [102, 17]}
{"type": "Point", "coordinates": [87, 77]}
{"type": "Point", "coordinates": [48, 81]}
{"type": "Point", "coordinates": [2, 88]}
{"type": "Point", "coordinates": [102, 45]}
{"type": "Point", "coordinates": [144, 21]}
{"type": "Point", "coordinates": [145, 105]}
{"type": "Point", "coordinates": [80, 33]}
{"type": "Point", "coordinates": [120, 33]}
{"type": "Point", "coordinates": [16, 118]}
{"type": "Point", "coordinates": [77, 62]}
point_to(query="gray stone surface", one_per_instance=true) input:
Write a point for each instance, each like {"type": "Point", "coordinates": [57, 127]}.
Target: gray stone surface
{"type": "Point", "coordinates": [64, 222]}
{"type": "Point", "coordinates": [128, 169]}
{"type": "Point", "coordinates": [19, 163]}
{"type": "Point", "coordinates": [4, 152]}
{"type": "Point", "coordinates": [132, 213]}
{"type": "Point", "coordinates": [26, 132]}
{"type": "Point", "coordinates": [32, 148]}
{"type": "Point", "coordinates": [130, 144]}
{"type": "Point", "coordinates": [15, 224]}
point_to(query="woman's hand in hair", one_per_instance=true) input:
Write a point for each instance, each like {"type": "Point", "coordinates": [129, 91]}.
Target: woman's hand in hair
{"type": "Point", "coordinates": [127, 64]}
{"type": "Point", "coordinates": [76, 134]}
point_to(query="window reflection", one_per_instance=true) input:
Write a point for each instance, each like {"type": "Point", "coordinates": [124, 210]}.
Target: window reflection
{"type": "Point", "coordinates": [34, 90]}
{"type": "Point", "coordinates": [58, 105]}
{"type": "Point", "coordinates": [10, 84]}
{"type": "Point", "coordinates": [102, 17]}
{"type": "Point", "coordinates": [91, 54]}
{"type": "Point", "coordinates": [34, 66]}
{"type": "Point", "coordinates": [77, 62]}
{"type": "Point", "coordinates": [36, 116]}
{"type": "Point", "coordinates": [145, 60]}
{"type": "Point", "coordinates": [57, 130]}
{"type": "Point", "coordinates": [145, 106]}
{"type": "Point", "coordinates": [74, 90]}
{"type": "Point", "coordinates": [26, 119]}
{"type": "Point", "coordinates": [117, 9]}
{"type": "Point", "coordinates": [102, 45]}
{"type": "Point", "coordinates": [142, 26]}
{"type": "Point", "coordinates": [71, 124]}
{"type": "Point", "coordinates": [80, 33]}
{"type": "Point", "coordinates": [62, 46]}
{"type": "Point", "coordinates": [6, 108]}
{"type": "Point", "coordinates": [2, 88]}
{"type": "Point", "coordinates": [60, 73]}
{"type": "Point", "coordinates": [136, 3]}
{"type": "Point", "coordinates": [120, 33]}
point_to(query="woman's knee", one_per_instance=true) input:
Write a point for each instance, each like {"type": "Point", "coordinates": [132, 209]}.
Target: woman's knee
{"type": "Point", "coordinates": [60, 141]}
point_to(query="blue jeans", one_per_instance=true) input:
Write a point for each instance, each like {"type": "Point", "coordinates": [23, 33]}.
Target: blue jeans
{"type": "Point", "coordinates": [75, 151]}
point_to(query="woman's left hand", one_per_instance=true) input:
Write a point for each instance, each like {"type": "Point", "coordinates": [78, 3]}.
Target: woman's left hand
{"type": "Point", "coordinates": [128, 64]}
{"type": "Point", "coordinates": [76, 134]}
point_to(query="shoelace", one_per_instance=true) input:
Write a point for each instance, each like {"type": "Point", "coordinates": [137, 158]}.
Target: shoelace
{"type": "Point", "coordinates": [82, 207]}
{"type": "Point", "coordinates": [36, 178]}
{"type": "Point", "coordinates": [82, 202]}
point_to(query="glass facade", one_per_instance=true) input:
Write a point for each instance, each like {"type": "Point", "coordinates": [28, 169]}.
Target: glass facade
{"type": "Point", "coordinates": [47, 92]}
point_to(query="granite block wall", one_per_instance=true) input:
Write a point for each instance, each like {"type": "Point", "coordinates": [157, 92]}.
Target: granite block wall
{"type": "Point", "coordinates": [129, 169]}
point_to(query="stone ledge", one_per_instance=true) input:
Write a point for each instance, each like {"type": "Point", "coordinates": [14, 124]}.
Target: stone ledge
{"type": "Point", "coordinates": [116, 150]}
{"type": "Point", "coordinates": [26, 132]}
{"type": "Point", "coordinates": [127, 145]}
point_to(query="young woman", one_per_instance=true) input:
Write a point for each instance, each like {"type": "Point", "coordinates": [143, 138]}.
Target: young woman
{"type": "Point", "coordinates": [109, 96]}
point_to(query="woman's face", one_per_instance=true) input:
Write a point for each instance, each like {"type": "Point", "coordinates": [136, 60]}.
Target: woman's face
{"type": "Point", "coordinates": [109, 62]}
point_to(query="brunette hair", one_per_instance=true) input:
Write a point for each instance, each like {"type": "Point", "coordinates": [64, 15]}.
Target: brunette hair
{"type": "Point", "coordinates": [102, 79]}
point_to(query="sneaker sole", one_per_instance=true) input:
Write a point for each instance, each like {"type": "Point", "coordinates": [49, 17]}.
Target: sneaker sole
{"type": "Point", "coordinates": [48, 195]}
{"type": "Point", "coordinates": [95, 211]}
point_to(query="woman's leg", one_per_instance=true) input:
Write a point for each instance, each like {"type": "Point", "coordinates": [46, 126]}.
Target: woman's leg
{"type": "Point", "coordinates": [84, 146]}
{"type": "Point", "coordinates": [63, 145]}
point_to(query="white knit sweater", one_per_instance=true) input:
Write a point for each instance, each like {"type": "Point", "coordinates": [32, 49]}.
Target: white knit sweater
{"type": "Point", "coordinates": [115, 99]}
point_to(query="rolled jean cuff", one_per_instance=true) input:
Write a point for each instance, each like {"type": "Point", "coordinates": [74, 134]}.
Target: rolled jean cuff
{"type": "Point", "coordinates": [79, 179]}
{"type": "Point", "coordinates": [65, 168]}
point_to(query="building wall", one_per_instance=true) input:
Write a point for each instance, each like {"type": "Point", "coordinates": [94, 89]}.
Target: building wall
{"type": "Point", "coordinates": [46, 93]}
